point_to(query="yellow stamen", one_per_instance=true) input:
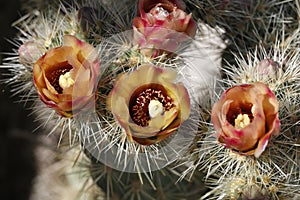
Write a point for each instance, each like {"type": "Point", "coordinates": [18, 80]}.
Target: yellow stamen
{"type": "Point", "coordinates": [66, 81]}
{"type": "Point", "coordinates": [155, 108]}
{"type": "Point", "coordinates": [241, 121]}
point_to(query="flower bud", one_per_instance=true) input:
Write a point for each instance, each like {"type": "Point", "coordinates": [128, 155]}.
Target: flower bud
{"type": "Point", "coordinates": [268, 69]}
{"type": "Point", "coordinates": [29, 52]}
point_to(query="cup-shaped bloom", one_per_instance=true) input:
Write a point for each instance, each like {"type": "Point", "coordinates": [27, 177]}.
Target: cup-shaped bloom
{"type": "Point", "coordinates": [161, 26]}
{"type": "Point", "coordinates": [245, 118]}
{"type": "Point", "coordinates": [66, 77]}
{"type": "Point", "coordinates": [148, 104]}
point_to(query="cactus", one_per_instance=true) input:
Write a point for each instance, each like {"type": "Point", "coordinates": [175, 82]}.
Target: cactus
{"type": "Point", "coordinates": [147, 125]}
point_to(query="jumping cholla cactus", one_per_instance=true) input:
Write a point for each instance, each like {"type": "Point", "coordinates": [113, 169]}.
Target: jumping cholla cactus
{"type": "Point", "coordinates": [165, 99]}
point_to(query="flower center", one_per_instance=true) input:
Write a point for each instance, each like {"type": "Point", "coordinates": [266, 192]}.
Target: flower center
{"type": "Point", "coordinates": [54, 77]}
{"type": "Point", "coordinates": [155, 108]}
{"type": "Point", "coordinates": [241, 121]}
{"type": "Point", "coordinates": [240, 115]}
{"type": "Point", "coordinates": [65, 80]}
{"type": "Point", "coordinates": [160, 13]}
{"type": "Point", "coordinates": [147, 102]}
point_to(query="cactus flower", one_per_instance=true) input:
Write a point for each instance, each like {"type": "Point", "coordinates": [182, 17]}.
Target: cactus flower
{"type": "Point", "coordinates": [148, 105]}
{"type": "Point", "coordinates": [161, 26]}
{"type": "Point", "coordinates": [65, 77]}
{"type": "Point", "coordinates": [245, 118]}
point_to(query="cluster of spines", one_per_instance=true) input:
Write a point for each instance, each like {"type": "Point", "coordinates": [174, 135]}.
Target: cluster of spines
{"type": "Point", "coordinates": [275, 174]}
{"type": "Point", "coordinates": [246, 24]}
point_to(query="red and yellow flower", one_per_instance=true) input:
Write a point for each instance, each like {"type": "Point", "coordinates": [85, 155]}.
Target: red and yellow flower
{"type": "Point", "coordinates": [161, 26]}
{"type": "Point", "coordinates": [66, 77]}
{"type": "Point", "coordinates": [245, 118]}
{"type": "Point", "coordinates": [148, 105]}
